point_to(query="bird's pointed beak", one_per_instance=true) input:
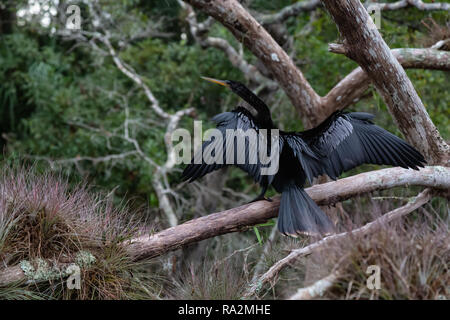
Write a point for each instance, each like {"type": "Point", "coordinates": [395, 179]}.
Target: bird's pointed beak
{"type": "Point", "coordinates": [221, 82]}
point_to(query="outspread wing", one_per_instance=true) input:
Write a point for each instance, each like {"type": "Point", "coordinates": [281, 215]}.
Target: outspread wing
{"type": "Point", "coordinates": [242, 153]}
{"type": "Point", "coordinates": [311, 163]}
{"type": "Point", "coordinates": [346, 140]}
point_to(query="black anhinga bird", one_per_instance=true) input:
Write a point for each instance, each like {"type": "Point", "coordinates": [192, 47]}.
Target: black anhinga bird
{"type": "Point", "coordinates": [341, 142]}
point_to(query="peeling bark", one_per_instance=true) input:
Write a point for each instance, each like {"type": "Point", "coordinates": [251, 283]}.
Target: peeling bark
{"type": "Point", "coordinates": [364, 44]}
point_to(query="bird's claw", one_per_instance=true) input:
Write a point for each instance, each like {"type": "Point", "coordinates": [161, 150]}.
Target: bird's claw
{"type": "Point", "coordinates": [261, 198]}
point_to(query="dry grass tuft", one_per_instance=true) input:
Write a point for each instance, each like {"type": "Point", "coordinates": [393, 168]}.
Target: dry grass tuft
{"type": "Point", "coordinates": [219, 280]}
{"type": "Point", "coordinates": [436, 33]}
{"type": "Point", "coordinates": [42, 217]}
{"type": "Point", "coordinates": [413, 257]}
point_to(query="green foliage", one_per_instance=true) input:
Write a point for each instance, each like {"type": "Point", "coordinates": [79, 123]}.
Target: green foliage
{"type": "Point", "coordinates": [260, 238]}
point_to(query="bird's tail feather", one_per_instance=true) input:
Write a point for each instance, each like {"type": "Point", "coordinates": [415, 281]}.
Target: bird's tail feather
{"type": "Point", "coordinates": [300, 214]}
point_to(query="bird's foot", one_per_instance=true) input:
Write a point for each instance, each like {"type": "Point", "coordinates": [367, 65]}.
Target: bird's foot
{"type": "Point", "coordinates": [258, 198]}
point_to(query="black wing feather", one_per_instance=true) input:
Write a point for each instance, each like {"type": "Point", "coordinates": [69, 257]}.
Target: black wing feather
{"type": "Point", "coordinates": [347, 140]}
{"type": "Point", "coordinates": [242, 119]}
{"type": "Point", "coordinates": [311, 163]}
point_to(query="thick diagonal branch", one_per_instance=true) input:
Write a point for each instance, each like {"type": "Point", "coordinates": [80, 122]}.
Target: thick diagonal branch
{"type": "Point", "coordinates": [247, 30]}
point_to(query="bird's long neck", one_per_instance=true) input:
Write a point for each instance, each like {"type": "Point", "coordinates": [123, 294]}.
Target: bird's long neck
{"type": "Point", "coordinates": [261, 108]}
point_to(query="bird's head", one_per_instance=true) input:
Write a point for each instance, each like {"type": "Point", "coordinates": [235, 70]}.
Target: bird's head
{"type": "Point", "coordinates": [234, 86]}
{"type": "Point", "coordinates": [243, 92]}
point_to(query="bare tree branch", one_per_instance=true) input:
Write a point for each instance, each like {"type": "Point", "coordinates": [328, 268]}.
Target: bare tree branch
{"type": "Point", "coordinates": [270, 275]}
{"type": "Point", "coordinates": [310, 105]}
{"type": "Point", "coordinates": [130, 73]}
{"type": "Point", "coordinates": [240, 218]}
{"type": "Point", "coordinates": [159, 178]}
{"type": "Point", "coordinates": [289, 11]}
{"type": "Point", "coordinates": [352, 87]}
{"type": "Point", "coordinates": [364, 44]}
{"type": "Point", "coordinates": [249, 70]}
{"type": "Point", "coordinates": [267, 247]}
{"type": "Point", "coordinates": [94, 160]}
{"type": "Point", "coordinates": [16, 274]}
{"type": "Point", "coordinates": [440, 44]}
